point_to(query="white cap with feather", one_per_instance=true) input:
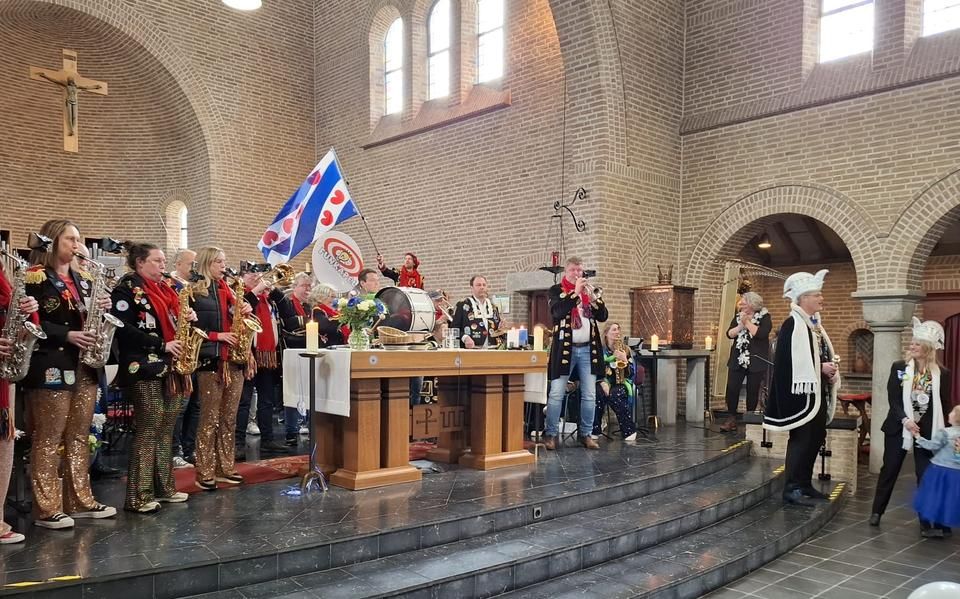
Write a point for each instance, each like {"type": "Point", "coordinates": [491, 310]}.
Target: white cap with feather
{"type": "Point", "coordinates": [803, 282]}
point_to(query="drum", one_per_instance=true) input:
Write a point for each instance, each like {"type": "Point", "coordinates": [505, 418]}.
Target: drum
{"type": "Point", "coordinates": [408, 308]}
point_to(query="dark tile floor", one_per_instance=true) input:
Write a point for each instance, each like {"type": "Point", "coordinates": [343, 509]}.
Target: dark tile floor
{"type": "Point", "coordinates": [848, 559]}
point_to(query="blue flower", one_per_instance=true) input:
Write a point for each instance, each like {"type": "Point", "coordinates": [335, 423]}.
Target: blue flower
{"type": "Point", "coordinates": [353, 301]}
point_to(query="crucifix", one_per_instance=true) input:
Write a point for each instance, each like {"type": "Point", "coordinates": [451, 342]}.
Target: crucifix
{"type": "Point", "coordinates": [72, 83]}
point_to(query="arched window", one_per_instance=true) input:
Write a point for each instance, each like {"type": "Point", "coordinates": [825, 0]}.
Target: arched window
{"type": "Point", "coordinates": [846, 28]}
{"type": "Point", "coordinates": [182, 219]}
{"type": "Point", "coordinates": [175, 222]}
{"type": "Point", "coordinates": [438, 49]}
{"type": "Point", "coordinates": [940, 16]}
{"type": "Point", "coordinates": [393, 68]}
{"type": "Point", "coordinates": [490, 40]}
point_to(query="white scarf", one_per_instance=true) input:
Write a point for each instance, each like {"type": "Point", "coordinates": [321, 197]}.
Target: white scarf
{"type": "Point", "coordinates": [806, 367]}
{"type": "Point", "coordinates": [743, 339]}
{"type": "Point", "coordinates": [484, 311]}
{"type": "Point", "coordinates": [907, 385]}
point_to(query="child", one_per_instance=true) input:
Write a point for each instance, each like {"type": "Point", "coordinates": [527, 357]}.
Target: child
{"type": "Point", "coordinates": [938, 498]}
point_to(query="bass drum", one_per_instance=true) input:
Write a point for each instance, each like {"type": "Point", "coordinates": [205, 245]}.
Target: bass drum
{"type": "Point", "coordinates": [408, 309]}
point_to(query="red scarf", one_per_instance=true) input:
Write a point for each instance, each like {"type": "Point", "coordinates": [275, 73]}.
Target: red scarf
{"type": "Point", "coordinates": [569, 287]}
{"type": "Point", "coordinates": [297, 306]}
{"type": "Point", "coordinates": [266, 340]}
{"type": "Point", "coordinates": [6, 414]}
{"type": "Point", "coordinates": [166, 303]}
{"type": "Point", "coordinates": [332, 315]}
{"type": "Point", "coordinates": [410, 278]}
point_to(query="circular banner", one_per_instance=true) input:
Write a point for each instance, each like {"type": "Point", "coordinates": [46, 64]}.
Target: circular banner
{"type": "Point", "coordinates": [337, 261]}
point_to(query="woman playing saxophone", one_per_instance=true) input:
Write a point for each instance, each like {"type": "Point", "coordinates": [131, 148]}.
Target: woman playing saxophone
{"type": "Point", "coordinates": [616, 388]}
{"type": "Point", "coordinates": [60, 389]}
{"type": "Point", "coordinates": [219, 380]}
{"type": "Point", "coordinates": [149, 308]}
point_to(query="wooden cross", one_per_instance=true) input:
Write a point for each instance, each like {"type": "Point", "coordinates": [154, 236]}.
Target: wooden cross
{"type": "Point", "coordinates": [72, 83]}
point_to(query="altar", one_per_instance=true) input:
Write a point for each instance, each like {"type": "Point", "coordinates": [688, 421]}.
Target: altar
{"type": "Point", "coordinates": [362, 417]}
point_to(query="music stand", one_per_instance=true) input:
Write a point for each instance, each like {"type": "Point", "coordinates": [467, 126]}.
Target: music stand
{"type": "Point", "coordinates": [636, 345]}
{"type": "Point", "coordinates": [314, 476]}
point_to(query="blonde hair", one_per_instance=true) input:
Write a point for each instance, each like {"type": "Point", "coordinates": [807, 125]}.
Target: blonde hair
{"type": "Point", "coordinates": [931, 354]}
{"type": "Point", "coordinates": [606, 331]}
{"type": "Point", "coordinates": [205, 257]}
{"type": "Point", "coordinates": [53, 229]}
{"type": "Point", "coordinates": [754, 299]}
{"type": "Point", "coordinates": [321, 293]}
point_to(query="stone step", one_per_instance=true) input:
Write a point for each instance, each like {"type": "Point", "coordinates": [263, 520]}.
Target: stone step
{"type": "Point", "coordinates": [695, 564]}
{"type": "Point", "coordinates": [534, 553]}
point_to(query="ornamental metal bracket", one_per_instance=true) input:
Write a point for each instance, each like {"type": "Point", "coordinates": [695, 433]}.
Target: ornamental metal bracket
{"type": "Point", "coordinates": [558, 206]}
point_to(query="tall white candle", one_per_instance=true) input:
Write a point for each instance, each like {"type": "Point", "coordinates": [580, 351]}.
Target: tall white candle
{"type": "Point", "coordinates": [313, 335]}
{"type": "Point", "coordinates": [654, 343]}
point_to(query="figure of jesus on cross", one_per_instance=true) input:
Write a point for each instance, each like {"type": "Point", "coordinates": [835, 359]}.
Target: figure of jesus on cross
{"type": "Point", "coordinates": [72, 83]}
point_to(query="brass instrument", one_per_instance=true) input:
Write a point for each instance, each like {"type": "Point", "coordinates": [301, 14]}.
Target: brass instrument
{"type": "Point", "coordinates": [189, 336]}
{"type": "Point", "coordinates": [99, 323]}
{"type": "Point", "coordinates": [620, 366]}
{"type": "Point", "coordinates": [22, 333]}
{"type": "Point", "coordinates": [280, 275]}
{"type": "Point", "coordinates": [243, 327]}
{"type": "Point", "coordinates": [595, 291]}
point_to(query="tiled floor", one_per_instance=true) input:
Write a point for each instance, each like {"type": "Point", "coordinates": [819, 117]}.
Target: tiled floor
{"type": "Point", "coordinates": [848, 559]}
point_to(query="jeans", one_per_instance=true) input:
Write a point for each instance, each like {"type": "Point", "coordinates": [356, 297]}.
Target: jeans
{"type": "Point", "coordinates": [263, 381]}
{"type": "Point", "coordinates": [579, 360]}
{"type": "Point", "coordinates": [185, 431]}
{"type": "Point", "coordinates": [291, 422]}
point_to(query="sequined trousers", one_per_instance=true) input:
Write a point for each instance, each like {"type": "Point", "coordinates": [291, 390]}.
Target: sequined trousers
{"type": "Point", "coordinates": [56, 416]}
{"type": "Point", "coordinates": [218, 422]}
{"type": "Point", "coordinates": [6, 467]}
{"type": "Point", "coordinates": [150, 473]}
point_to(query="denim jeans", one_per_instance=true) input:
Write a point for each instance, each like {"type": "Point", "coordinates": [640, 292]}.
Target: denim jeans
{"type": "Point", "coordinates": [185, 431]}
{"type": "Point", "coordinates": [579, 360]}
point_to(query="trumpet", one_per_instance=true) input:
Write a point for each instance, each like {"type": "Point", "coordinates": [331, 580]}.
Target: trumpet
{"type": "Point", "coordinates": [594, 291]}
{"type": "Point", "coordinates": [280, 276]}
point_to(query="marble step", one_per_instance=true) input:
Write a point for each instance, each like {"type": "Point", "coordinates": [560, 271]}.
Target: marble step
{"type": "Point", "coordinates": [530, 554]}
{"type": "Point", "coordinates": [697, 563]}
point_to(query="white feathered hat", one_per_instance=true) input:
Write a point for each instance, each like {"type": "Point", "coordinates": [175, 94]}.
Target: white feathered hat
{"type": "Point", "coordinates": [929, 331]}
{"type": "Point", "coordinates": [803, 282]}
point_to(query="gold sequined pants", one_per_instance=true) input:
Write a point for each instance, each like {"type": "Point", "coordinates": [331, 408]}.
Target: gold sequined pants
{"type": "Point", "coordinates": [150, 472]}
{"type": "Point", "coordinates": [55, 417]}
{"type": "Point", "coordinates": [218, 422]}
{"type": "Point", "coordinates": [6, 467]}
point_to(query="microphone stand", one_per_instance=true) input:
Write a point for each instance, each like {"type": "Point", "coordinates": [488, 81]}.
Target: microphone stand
{"type": "Point", "coordinates": [764, 442]}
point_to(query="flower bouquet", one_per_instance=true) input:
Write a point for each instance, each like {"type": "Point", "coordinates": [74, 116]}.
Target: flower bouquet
{"type": "Point", "coordinates": [360, 315]}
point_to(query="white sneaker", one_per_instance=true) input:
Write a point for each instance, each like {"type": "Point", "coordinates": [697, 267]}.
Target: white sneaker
{"type": "Point", "coordinates": [179, 462]}
{"type": "Point", "coordinates": [177, 497]}
{"type": "Point", "coordinates": [11, 537]}
{"type": "Point", "coordinates": [58, 520]}
{"type": "Point", "coordinates": [253, 429]}
{"type": "Point", "coordinates": [99, 511]}
{"type": "Point", "coordinates": [632, 437]}
{"type": "Point", "coordinates": [304, 430]}
{"type": "Point", "coordinates": [149, 507]}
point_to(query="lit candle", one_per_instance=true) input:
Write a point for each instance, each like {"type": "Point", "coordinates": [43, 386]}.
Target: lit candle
{"type": "Point", "coordinates": [708, 343]}
{"type": "Point", "coordinates": [513, 336]}
{"type": "Point", "coordinates": [523, 337]}
{"type": "Point", "coordinates": [313, 335]}
{"type": "Point", "coordinates": [538, 338]}
{"type": "Point", "coordinates": [654, 343]}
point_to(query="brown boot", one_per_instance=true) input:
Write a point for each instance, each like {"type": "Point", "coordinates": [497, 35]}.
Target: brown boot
{"type": "Point", "coordinates": [730, 425]}
{"type": "Point", "coordinates": [550, 443]}
{"type": "Point", "coordinates": [589, 443]}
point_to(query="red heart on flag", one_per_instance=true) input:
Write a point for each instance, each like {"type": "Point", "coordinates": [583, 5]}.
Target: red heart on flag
{"type": "Point", "coordinates": [288, 225]}
{"type": "Point", "coordinates": [269, 238]}
{"type": "Point", "coordinates": [327, 219]}
{"type": "Point", "coordinates": [337, 197]}
{"type": "Point", "coordinates": [315, 177]}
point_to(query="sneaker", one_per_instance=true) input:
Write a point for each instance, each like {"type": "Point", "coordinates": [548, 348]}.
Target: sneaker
{"type": "Point", "coordinates": [932, 533]}
{"type": "Point", "coordinates": [253, 429]}
{"type": "Point", "coordinates": [230, 479]}
{"type": "Point", "coordinates": [179, 462]}
{"type": "Point", "coordinates": [177, 497]}
{"type": "Point", "coordinates": [304, 430]}
{"type": "Point", "coordinates": [632, 437]}
{"type": "Point", "coordinates": [11, 537]}
{"type": "Point", "coordinates": [96, 512]}
{"type": "Point", "coordinates": [149, 507]}
{"type": "Point", "coordinates": [58, 520]}
{"type": "Point", "coordinates": [207, 485]}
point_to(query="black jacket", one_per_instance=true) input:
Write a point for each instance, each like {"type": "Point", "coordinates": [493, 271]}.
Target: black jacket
{"type": "Point", "coordinates": [759, 345]}
{"type": "Point", "coordinates": [893, 424]}
{"type": "Point", "coordinates": [561, 305]}
{"type": "Point", "coordinates": [471, 324]}
{"type": "Point", "coordinates": [55, 361]}
{"type": "Point", "coordinates": [140, 344]}
{"type": "Point", "coordinates": [786, 410]}
{"type": "Point", "coordinates": [211, 320]}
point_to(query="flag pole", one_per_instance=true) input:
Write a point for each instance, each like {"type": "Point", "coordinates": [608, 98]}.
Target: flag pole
{"type": "Point", "coordinates": [359, 212]}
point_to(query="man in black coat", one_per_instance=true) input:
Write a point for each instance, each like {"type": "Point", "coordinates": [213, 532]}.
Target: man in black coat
{"type": "Point", "coordinates": [576, 344]}
{"type": "Point", "coordinates": [805, 384]}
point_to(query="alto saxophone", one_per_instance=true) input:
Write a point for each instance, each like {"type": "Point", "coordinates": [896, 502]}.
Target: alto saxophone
{"type": "Point", "coordinates": [620, 366]}
{"type": "Point", "coordinates": [22, 333]}
{"type": "Point", "coordinates": [243, 327]}
{"type": "Point", "coordinates": [99, 323]}
{"type": "Point", "coordinates": [189, 336]}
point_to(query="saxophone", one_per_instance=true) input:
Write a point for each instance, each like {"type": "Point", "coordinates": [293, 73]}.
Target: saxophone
{"type": "Point", "coordinates": [620, 366]}
{"type": "Point", "coordinates": [189, 336]}
{"type": "Point", "coordinates": [99, 323]}
{"type": "Point", "coordinates": [22, 333]}
{"type": "Point", "coordinates": [243, 327]}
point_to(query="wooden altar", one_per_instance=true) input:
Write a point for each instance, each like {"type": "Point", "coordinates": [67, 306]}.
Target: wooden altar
{"type": "Point", "coordinates": [369, 448]}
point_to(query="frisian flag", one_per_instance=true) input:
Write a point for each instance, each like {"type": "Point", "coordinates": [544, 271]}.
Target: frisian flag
{"type": "Point", "coordinates": [321, 203]}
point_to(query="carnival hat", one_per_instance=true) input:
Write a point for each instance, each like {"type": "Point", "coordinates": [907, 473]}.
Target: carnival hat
{"type": "Point", "coordinates": [930, 332]}
{"type": "Point", "coordinates": [803, 282]}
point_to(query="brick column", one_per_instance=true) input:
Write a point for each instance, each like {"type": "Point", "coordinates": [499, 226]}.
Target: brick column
{"type": "Point", "coordinates": [897, 28]}
{"type": "Point", "coordinates": [887, 312]}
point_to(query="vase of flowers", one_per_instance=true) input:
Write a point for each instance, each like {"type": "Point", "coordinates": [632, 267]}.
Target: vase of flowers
{"type": "Point", "coordinates": [360, 315]}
